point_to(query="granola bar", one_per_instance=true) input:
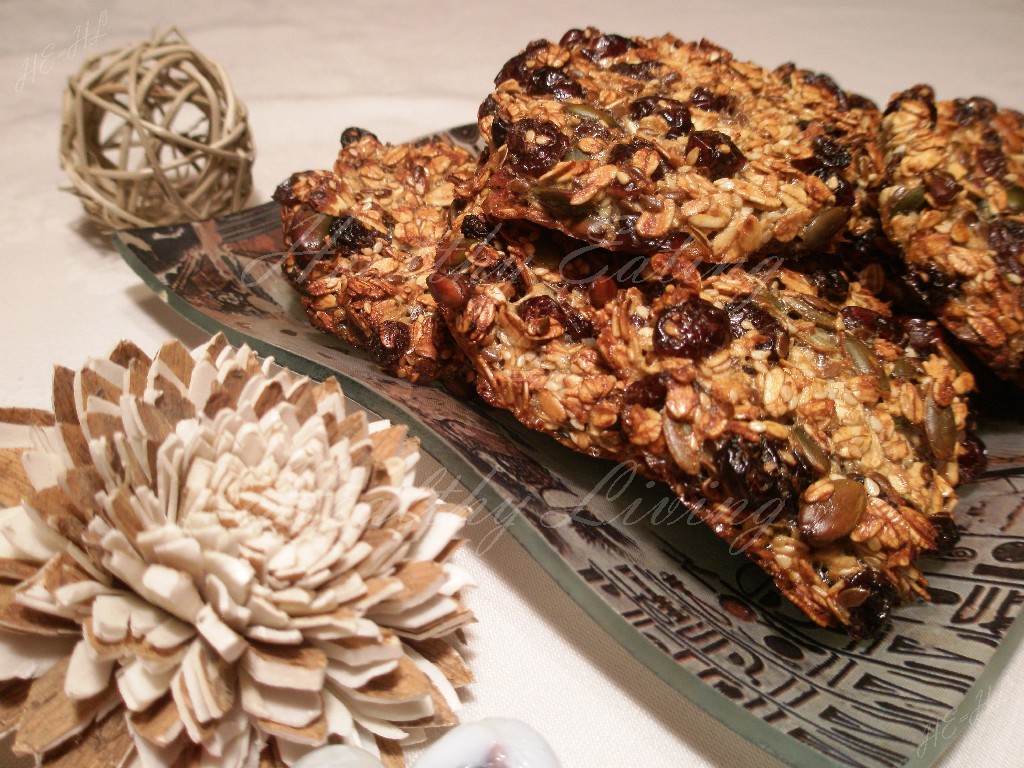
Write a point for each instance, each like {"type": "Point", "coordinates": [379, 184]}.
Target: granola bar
{"type": "Point", "coordinates": [649, 145]}
{"type": "Point", "coordinates": [361, 241]}
{"type": "Point", "coordinates": [954, 202]}
{"type": "Point", "coordinates": [818, 436]}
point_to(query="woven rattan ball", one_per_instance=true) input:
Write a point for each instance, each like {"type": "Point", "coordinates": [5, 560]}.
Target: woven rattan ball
{"type": "Point", "coordinates": [153, 134]}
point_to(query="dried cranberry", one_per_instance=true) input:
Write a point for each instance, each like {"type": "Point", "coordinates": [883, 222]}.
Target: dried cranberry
{"type": "Point", "coordinates": [549, 81]}
{"type": "Point", "coordinates": [744, 310]}
{"type": "Point", "coordinates": [868, 616]}
{"type": "Point", "coordinates": [347, 233]}
{"type": "Point", "coordinates": [757, 474]}
{"type": "Point", "coordinates": [969, 110]}
{"type": "Point", "coordinates": [992, 161]}
{"type": "Point", "coordinates": [715, 153]}
{"type": "Point", "coordinates": [973, 460]}
{"type": "Point", "coordinates": [390, 343]}
{"type": "Point", "coordinates": [1006, 238]}
{"type": "Point", "coordinates": [352, 135]}
{"type": "Point", "coordinates": [704, 99]}
{"type": "Point", "coordinates": [650, 391]}
{"type": "Point", "coordinates": [642, 70]}
{"type": "Point", "coordinates": [535, 145]}
{"type": "Point", "coordinates": [517, 68]}
{"type": "Point", "coordinates": [921, 335]}
{"type": "Point", "coordinates": [693, 329]}
{"type": "Point", "coordinates": [942, 188]}
{"type": "Point", "coordinates": [608, 45]}
{"type": "Point", "coordinates": [865, 323]}
{"type": "Point", "coordinates": [450, 290]}
{"type": "Point", "coordinates": [475, 227]}
{"type": "Point", "coordinates": [673, 112]}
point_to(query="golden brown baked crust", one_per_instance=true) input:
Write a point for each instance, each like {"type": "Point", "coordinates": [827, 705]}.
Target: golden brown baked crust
{"type": "Point", "coordinates": [954, 202]}
{"type": "Point", "coordinates": [820, 438]}
{"type": "Point", "coordinates": [649, 145]}
{"type": "Point", "coordinates": [361, 244]}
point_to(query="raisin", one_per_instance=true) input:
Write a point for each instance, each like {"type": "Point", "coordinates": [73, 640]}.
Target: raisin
{"type": "Point", "coordinates": [992, 161]}
{"type": "Point", "coordinates": [450, 290]}
{"type": "Point", "coordinates": [475, 227]}
{"type": "Point", "coordinates": [534, 146]}
{"type": "Point", "coordinates": [932, 284]}
{"type": "Point", "coordinates": [608, 45]}
{"type": "Point", "coordinates": [921, 93]}
{"type": "Point", "coordinates": [969, 110]}
{"type": "Point", "coordinates": [499, 126]}
{"type": "Point", "coordinates": [650, 391]}
{"type": "Point", "coordinates": [1006, 238]}
{"type": "Point", "coordinates": [715, 153]}
{"type": "Point", "coordinates": [946, 533]}
{"type": "Point", "coordinates": [643, 70]}
{"type": "Point", "coordinates": [693, 329]}
{"type": "Point", "coordinates": [744, 310]}
{"type": "Point", "coordinates": [673, 112]}
{"type": "Point", "coordinates": [973, 460]}
{"type": "Point", "coordinates": [865, 324]}
{"type": "Point", "coordinates": [390, 343]}
{"type": "Point", "coordinates": [868, 616]}
{"type": "Point", "coordinates": [942, 188]}
{"type": "Point", "coordinates": [517, 68]}
{"type": "Point", "coordinates": [921, 335]}
{"type": "Point", "coordinates": [352, 135]}
{"type": "Point", "coordinates": [704, 99]}
{"type": "Point", "coordinates": [830, 85]}
{"type": "Point", "coordinates": [572, 38]}
{"type": "Point", "coordinates": [285, 193]}
{"type": "Point", "coordinates": [540, 307]}
{"type": "Point", "coordinates": [830, 153]}
{"type": "Point", "coordinates": [347, 233]}
{"type": "Point", "coordinates": [832, 284]}
{"type": "Point", "coordinates": [622, 154]}
{"type": "Point", "coordinates": [756, 473]}
{"type": "Point", "coordinates": [549, 81]}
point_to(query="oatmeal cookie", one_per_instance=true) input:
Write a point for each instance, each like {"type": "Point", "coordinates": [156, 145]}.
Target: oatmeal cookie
{"type": "Point", "coordinates": [361, 241]}
{"type": "Point", "coordinates": [818, 436]}
{"type": "Point", "coordinates": [954, 202]}
{"type": "Point", "coordinates": [648, 145]}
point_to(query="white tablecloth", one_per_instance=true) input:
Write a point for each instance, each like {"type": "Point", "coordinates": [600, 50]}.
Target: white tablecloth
{"type": "Point", "coordinates": [401, 69]}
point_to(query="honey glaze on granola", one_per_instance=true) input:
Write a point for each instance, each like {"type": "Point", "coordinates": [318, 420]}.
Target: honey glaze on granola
{"type": "Point", "coordinates": [818, 437]}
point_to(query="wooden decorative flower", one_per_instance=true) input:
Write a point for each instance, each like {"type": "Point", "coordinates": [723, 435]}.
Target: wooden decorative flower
{"type": "Point", "coordinates": [207, 562]}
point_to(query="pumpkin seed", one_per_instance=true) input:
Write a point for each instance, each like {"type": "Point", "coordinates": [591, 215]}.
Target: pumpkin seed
{"type": "Point", "coordinates": [1015, 199]}
{"type": "Point", "coordinates": [823, 227]}
{"type": "Point", "coordinates": [587, 112]}
{"type": "Point", "coordinates": [820, 340]}
{"type": "Point", "coordinates": [821, 312]}
{"type": "Point", "coordinates": [852, 597]}
{"type": "Point", "coordinates": [864, 360]}
{"type": "Point", "coordinates": [910, 201]}
{"type": "Point", "coordinates": [907, 369]}
{"type": "Point", "coordinates": [828, 520]}
{"type": "Point", "coordinates": [940, 427]}
{"type": "Point", "coordinates": [677, 438]}
{"type": "Point", "coordinates": [812, 451]}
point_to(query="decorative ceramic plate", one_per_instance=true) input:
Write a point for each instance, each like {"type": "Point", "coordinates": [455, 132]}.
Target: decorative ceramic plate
{"type": "Point", "coordinates": [708, 622]}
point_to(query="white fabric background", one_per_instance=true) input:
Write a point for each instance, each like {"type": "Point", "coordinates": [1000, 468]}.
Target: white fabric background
{"type": "Point", "coordinates": [400, 69]}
